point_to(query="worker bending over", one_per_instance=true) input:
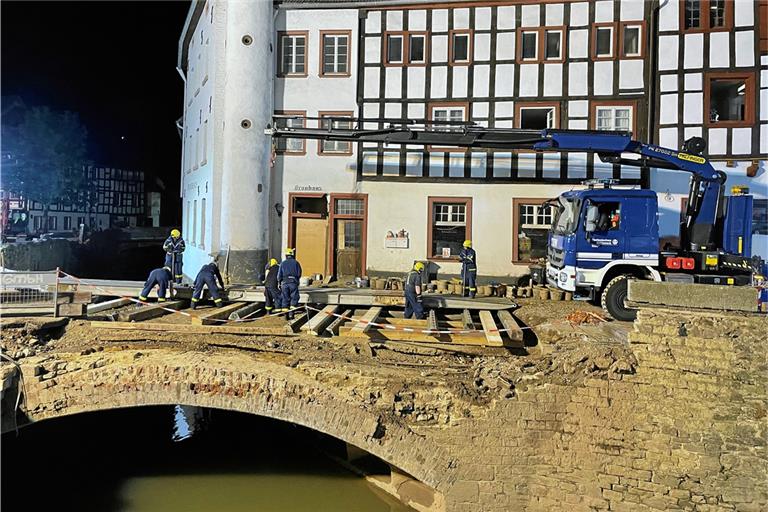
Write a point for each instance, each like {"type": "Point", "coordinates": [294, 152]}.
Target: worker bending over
{"type": "Point", "coordinates": [288, 276]}
{"type": "Point", "coordinates": [413, 288]}
{"type": "Point", "coordinates": [208, 276]}
{"type": "Point", "coordinates": [160, 277]}
{"type": "Point", "coordinates": [468, 258]}
{"type": "Point", "coordinates": [271, 287]}
{"type": "Point", "coordinates": [174, 248]}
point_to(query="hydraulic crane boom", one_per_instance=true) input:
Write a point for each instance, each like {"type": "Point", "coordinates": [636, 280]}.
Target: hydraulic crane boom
{"type": "Point", "coordinates": [701, 229]}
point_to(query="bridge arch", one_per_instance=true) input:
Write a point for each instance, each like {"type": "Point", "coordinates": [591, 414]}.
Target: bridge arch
{"type": "Point", "coordinates": [102, 381]}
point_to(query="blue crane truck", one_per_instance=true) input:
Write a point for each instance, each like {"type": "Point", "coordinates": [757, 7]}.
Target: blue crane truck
{"type": "Point", "coordinates": [604, 235]}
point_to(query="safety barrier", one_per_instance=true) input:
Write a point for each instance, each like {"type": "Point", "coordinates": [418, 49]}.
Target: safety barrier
{"type": "Point", "coordinates": [28, 293]}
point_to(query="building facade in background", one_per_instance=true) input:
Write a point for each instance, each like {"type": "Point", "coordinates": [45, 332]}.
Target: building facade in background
{"type": "Point", "coordinates": [353, 209]}
{"type": "Point", "coordinates": [114, 198]}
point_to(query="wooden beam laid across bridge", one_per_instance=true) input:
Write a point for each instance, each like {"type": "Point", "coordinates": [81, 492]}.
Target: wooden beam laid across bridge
{"type": "Point", "coordinates": [212, 316]}
{"type": "Point", "coordinates": [193, 329]}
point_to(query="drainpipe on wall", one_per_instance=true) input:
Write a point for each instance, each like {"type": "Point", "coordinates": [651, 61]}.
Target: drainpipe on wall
{"type": "Point", "coordinates": [180, 128]}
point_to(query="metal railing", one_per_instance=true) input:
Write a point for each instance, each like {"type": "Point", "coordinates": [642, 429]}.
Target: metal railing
{"type": "Point", "coordinates": [28, 293]}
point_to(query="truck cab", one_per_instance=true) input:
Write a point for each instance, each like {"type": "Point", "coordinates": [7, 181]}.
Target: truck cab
{"type": "Point", "coordinates": [599, 234]}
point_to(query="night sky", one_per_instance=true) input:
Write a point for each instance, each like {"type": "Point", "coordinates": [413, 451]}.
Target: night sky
{"type": "Point", "coordinates": [112, 62]}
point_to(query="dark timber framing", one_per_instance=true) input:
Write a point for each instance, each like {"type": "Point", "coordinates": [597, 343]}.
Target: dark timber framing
{"type": "Point", "coordinates": [490, 103]}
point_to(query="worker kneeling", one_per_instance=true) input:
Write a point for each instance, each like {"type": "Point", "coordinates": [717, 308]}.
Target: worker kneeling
{"type": "Point", "coordinates": [288, 275]}
{"type": "Point", "coordinates": [413, 289]}
{"type": "Point", "coordinates": [271, 288]}
{"type": "Point", "coordinates": [208, 276]}
{"type": "Point", "coordinates": [160, 277]}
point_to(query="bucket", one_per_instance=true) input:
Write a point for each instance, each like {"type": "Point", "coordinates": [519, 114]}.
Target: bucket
{"type": "Point", "coordinates": [365, 282]}
{"type": "Point", "coordinates": [304, 281]}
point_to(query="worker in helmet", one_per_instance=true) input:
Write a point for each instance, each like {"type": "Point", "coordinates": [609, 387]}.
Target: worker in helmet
{"type": "Point", "coordinates": [174, 248]}
{"type": "Point", "coordinates": [160, 277]}
{"type": "Point", "coordinates": [271, 286]}
{"type": "Point", "coordinates": [413, 289]}
{"type": "Point", "coordinates": [468, 258]}
{"type": "Point", "coordinates": [208, 276]}
{"type": "Point", "coordinates": [288, 275]}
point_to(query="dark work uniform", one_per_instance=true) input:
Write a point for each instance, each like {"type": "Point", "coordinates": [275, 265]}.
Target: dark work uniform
{"type": "Point", "coordinates": [468, 258]}
{"type": "Point", "coordinates": [174, 248]}
{"type": "Point", "coordinates": [271, 290]}
{"type": "Point", "coordinates": [209, 276]}
{"type": "Point", "coordinates": [288, 276]}
{"type": "Point", "coordinates": [412, 299]}
{"type": "Point", "coordinates": [160, 277]}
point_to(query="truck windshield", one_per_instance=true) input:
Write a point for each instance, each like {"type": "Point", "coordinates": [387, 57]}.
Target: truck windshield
{"type": "Point", "coordinates": [566, 216]}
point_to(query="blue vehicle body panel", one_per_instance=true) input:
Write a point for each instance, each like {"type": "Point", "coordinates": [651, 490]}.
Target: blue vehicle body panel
{"type": "Point", "coordinates": [738, 225]}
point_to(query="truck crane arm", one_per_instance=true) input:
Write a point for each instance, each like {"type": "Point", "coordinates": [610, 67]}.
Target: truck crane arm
{"type": "Point", "coordinates": [701, 229]}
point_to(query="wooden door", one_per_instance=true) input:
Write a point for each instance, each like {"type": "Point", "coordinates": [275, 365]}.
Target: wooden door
{"type": "Point", "coordinates": [311, 242]}
{"type": "Point", "coordinates": [349, 247]}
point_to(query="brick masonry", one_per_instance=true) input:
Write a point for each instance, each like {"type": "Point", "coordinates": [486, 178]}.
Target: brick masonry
{"type": "Point", "coordinates": [680, 424]}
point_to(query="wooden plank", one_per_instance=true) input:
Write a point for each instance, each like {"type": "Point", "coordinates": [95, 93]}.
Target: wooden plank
{"type": "Point", "coordinates": [192, 329]}
{"type": "Point", "coordinates": [321, 320]}
{"type": "Point", "coordinates": [432, 320]}
{"type": "Point", "coordinates": [246, 311]}
{"type": "Point", "coordinates": [364, 324]}
{"type": "Point", "coordinates": [146, 312]}
{"type": "Point", "coordinates": [298, 320]}
{"type": "Point", "coordinates": [420, 324]}
{"type": "Point", "coordinates": [110, 304]}
{"type": "Point", "coordinates": [333, 327]}
{"type": "Point", "coordinates": [393, 335]}
{"type": "Point", "coordinates": [211, 316]}
{"type": "Point", "coordinates": [492, 336]}
{"type": "Point", "coordinates": [514, 331]}
{"type": "Point", "coordinates": [466, 319]}
{"type": "Point", "coordinates": [70, 310]}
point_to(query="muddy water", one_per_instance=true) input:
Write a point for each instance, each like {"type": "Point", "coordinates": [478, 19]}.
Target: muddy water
{"type": "Point", "coordinates": [128, 461]}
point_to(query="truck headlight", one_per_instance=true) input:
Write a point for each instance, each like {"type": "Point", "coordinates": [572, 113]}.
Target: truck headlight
{"type": "Point", "coordinates": [563, 277]}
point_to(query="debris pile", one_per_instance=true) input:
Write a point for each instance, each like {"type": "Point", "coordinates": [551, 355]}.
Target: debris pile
{"type": "Point", "coordinates": [581, 317]}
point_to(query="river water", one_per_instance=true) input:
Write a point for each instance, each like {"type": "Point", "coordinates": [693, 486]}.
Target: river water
{"type": "Point", "coordinates": [128, 461]}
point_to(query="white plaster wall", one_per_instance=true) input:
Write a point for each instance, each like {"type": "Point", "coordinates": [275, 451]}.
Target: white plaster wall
{"type": "Point", "coordinates": [668, 53]}
{"type": "Point", "coordinates": [404, 206]}
{"type": "Point", "coordinates": [694, 51]}
{"type": "Point", "coordinates": [669, 16]}
{"type": "Point", "coordinates": [718, 49]}
{"type": "Point", "coordinates": [631, 74]}
{"type": "Point", "coordinates": [745, 48]}
{"type": "Point", "coordinates": [744, 13]}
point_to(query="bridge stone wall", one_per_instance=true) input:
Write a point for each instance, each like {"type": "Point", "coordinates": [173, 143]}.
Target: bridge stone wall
{"type": "Point", "coordinates": [678, 422]}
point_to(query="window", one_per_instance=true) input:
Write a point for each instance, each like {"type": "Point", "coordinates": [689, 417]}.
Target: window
{"type": "Point", "coordinates": [335, 147]}
{"type": "Point", "coordinates": [553, 48]}
{"type": "Point", "coordinates": [632, 44]}
{"type": "Point", "coordinates": [406, 48]}
{"type": "Point", "coordinates": [529, 46]}
{"type": "Point", "coordinates": [53, 222]}
{"type": "Point", "coordinates": [336, 54]}
{"type": "Point", "coordinates": [537, 116]}
{"type": "Point", "coordinates": [290, 146]}
{"type": "Point", "coordinates": [293, 53]}
{"type": "Point", "coordinates": [730, 98]}
{"type": "Point", "coordinates": [461, 47]}
{"type": "Point", "coordinates": [194, 221]}
{"type": "Point", "coordinates": [205, 143]}
{"type": "Point", "coordinates": [80, 221]}
{"type": "Point", "coordinates": [350, 207]}
{"type": "Point", "coordinates": [706, 15]}
{"type": "Point", "coordinates": [608, 216]}
{"type": "Point", "coordinates": [450, 117]}
{"type": "Point", "coordinates": [614, 116]}
{"type": "Point", "coordinates": [450, 223]}
{"type": "Point", "coordinates": [202, 223]}
{"type": "Point", "coordinates": [760, 217]}
{"type": "Point", "coordinates": [603, 42]}
{"type": "Point", "coordinates": [531, 223]}
{"type": "Point", "coordinates": [394, 48]}
{"type": "Point", "coordinates": [67, 222]}
{"type": "Point", "coordinates": [417, 48]}
{"type": "Point", "coordinates": [541, 44]}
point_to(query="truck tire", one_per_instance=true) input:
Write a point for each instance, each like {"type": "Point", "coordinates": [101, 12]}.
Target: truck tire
{"type": "Point", "coordinates": [612, 299]}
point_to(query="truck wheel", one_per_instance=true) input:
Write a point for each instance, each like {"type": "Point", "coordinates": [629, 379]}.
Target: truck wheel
{"type": "Point", "coordinates": [613, 297]}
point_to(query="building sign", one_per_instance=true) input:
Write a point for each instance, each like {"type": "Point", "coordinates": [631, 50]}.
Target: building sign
{"type": "Point", "coordinates": [397, 240]}
{"type": "Point", "coordinates": [307, 188]}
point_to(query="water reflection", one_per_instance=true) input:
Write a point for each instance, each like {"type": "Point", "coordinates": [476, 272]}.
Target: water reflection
{"type": "Point", "coordinates": [131, 461]}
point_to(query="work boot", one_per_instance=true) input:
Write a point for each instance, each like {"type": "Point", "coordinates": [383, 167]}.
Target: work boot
{"type": "Point", "coordinates": [194, 305]}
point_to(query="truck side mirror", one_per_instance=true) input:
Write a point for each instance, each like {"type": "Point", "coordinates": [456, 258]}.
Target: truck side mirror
{"type": "Point", "coordinates": [590, 225]}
